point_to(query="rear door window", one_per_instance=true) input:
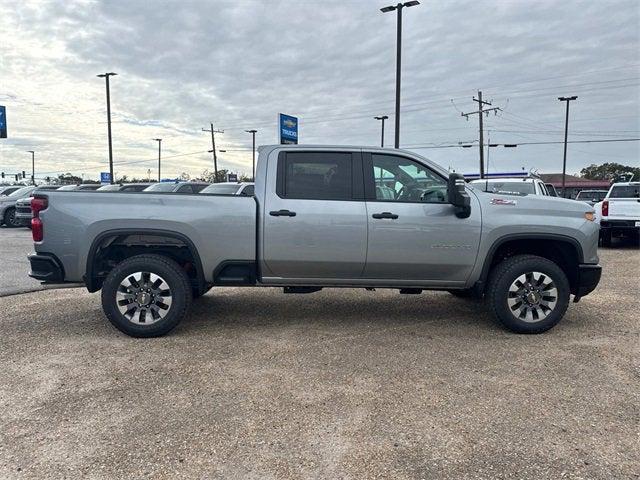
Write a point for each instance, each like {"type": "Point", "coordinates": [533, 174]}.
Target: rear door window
{"type": "Point", "coordinates": [316, 176]}
{"type": "Point", "coordinates": [185, 189]}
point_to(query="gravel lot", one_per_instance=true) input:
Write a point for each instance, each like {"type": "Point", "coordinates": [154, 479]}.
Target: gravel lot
{"type": "Point", "coordinates": [336, 384]}
{"type": "Point", "coordinates": [15, 245]}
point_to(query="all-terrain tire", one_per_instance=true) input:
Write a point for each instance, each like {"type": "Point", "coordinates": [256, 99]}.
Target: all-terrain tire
{"type": "Point", "coordinates": [134, 279]}
{"type": "Point", "coordinates": [503, 293]}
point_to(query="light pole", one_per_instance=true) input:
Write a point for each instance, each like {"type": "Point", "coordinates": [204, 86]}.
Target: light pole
{"type": "Point", "coordinates": [159, 140]}
{"type": "Point", "coordinates": [398, 8]}
{"type": "Point", "coordinates": [33, 166]}
{"type": "Point", "coordinates": [566, 131]}
{"type": "Point", "coordinates": [106, 77]}
{"type": "Point", "coordinates": [253, 164]}
{"type": "Point", "coordinates": [383, 118]}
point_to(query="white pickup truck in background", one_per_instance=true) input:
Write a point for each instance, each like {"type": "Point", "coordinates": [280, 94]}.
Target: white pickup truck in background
{"type": "Point", "coordinates": [619, 212]}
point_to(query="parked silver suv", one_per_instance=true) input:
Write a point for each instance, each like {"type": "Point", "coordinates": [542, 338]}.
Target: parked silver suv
{"type": "Point", "coordinates": [8, 206]}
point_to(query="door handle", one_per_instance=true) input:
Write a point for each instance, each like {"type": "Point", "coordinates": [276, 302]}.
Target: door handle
{"type": "Point", "coordinates": [390, 215]}
{"type": "Point", "coordinates": [282, 213]}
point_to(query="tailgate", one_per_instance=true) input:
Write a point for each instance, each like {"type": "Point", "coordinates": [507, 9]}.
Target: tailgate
{"type": "Point", "coordinates": [624, 208]}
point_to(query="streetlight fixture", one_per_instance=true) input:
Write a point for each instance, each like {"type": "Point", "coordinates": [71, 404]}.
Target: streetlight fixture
{"type": "Point", "coordinates": [383, 118]}
{"type": "Point", "coordinates": [159, 140]}
{"type": "Point", "coordinates": [33, 166]}
{"type": "Point", "coordinates": [106, 78]}
{"type": "Point", "coordinates": [398, 8]}
{"type": "Point", "coordinates": [253, 157]}
{"type": "Point", "coordinates": [566, 131]}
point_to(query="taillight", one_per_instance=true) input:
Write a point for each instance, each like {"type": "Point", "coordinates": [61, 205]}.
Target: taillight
{"type": "Point", "coordinates": [605, 208]}
{"type": "Point", "coordinates": [37, 205]}
{"type": "Point", "coordinates": [37, 229]}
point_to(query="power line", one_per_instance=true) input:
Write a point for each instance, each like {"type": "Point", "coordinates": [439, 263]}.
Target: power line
{"type": "Point", "coordinates": [607, 140]}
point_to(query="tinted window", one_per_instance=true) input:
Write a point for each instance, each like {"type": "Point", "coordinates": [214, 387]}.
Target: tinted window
{"type": "Point", "coordinates": [248, 190]}
{"type": "Point", "coordinates": [399, 179]}
{"type": "Point", "coordinates": [625, 191]}
{"type": "Point", "coordinates": [198, 187]}
{"type": "Point", "coordinates": [318, 176]}
{"type": "Point", "coordinates": [185, 189]}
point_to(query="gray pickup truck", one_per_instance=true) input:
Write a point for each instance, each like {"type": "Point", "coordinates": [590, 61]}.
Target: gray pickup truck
{"type": "Point", "coordinates": [320, 217]}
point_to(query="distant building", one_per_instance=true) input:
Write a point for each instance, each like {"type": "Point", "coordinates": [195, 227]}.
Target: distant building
{"type": "Point", "coordinates": [573, 184]}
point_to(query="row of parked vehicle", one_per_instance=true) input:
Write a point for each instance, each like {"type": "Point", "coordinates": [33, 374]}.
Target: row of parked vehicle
{"type": "Point", "coordinates": [15, 200]}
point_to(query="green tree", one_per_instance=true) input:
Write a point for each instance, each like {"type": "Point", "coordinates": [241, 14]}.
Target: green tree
{"type": "Point", "coordinates": [610, 171]}
{"type": "Point", "coordinates": [68, 178]}
{"type": "Point", "coordinates": [208, 176]}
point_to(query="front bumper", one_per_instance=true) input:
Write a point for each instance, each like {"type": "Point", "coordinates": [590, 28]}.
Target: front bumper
{"type": "Point", "coordinates": [46, 268]}
{"type": "Point", "coordinates": [588, 279]}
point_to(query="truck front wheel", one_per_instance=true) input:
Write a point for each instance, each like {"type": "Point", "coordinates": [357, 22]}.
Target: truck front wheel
{"type": "Point", "coordinates": [146, 295]}
{"type": "Point", "coordinates": [528, 294]}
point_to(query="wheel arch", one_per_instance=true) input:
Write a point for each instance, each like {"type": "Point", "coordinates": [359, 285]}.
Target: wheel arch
{"type": "Point", "coordinates": [561, 249]}
{"type": "Point", "coordinates": [108, 238]}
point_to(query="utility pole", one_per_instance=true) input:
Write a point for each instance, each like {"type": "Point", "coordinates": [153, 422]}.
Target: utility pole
{"type": "Point", "coordinates": [566, 132]}
{"type": "Point", "coordinates": [159, 140]}
{"type": "Point", "coordinates": [253, 167]}
{"type": "Point", "coordinates": [383, 118]}
{"type": "Point", "coordinates": [398, 8]}
{"type": "Point", "coordinates": [33, 166]}
{"type": "Point", "coordinates": [213, 148]}
{"type": "Point", "coordinates": [106, 77]}
{"type": "Point", "coordinates": [480, 112]}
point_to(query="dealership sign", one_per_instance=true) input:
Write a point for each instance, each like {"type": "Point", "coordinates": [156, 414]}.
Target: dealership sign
{"type": "Point", "coordinates": [105, 177]}
{"type": "Point", "coordinates": [3, 122]}
{"type": "Point", "coordinates": [288, 129]}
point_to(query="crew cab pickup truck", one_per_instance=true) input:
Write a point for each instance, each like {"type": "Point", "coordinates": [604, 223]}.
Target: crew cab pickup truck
{"type": "Point", "coordinates": [321, 216]}
{"type": "Point", "coordinates": [619, 212]}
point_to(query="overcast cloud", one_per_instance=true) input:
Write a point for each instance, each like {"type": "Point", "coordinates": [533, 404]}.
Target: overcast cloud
{"type": "Point", "coordinates": [184, 64]}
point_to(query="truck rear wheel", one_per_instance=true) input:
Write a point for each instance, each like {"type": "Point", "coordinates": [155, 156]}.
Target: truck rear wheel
{"type": "Point", "coordinates": [146, 295]}
{"type": "Point", "coordinates": [528, 294]}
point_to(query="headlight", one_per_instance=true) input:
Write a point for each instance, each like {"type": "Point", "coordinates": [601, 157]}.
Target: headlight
{"type": "Point", "coordinates": [590, 216]}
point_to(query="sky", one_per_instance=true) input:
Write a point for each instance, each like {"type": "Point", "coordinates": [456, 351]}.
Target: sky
{"type": "Point", "coordinates": [184, 64]}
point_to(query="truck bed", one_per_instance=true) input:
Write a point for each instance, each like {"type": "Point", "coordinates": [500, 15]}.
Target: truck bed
{"type": "Point", "coordinates": [220, 227]}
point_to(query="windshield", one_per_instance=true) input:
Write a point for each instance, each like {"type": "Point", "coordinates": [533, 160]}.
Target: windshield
{"type": "Point", "coordinates": [22, 192]}
{"type": "Point", "coordinates": [68, 187]}
{"type": "Point", "coordinates": [161, 187]}
{"type": "Point", "coordinates": [109, 188]}
{"type": "Point", "coordinates": [221, 189]}
{"type": "Point", "coordinates": [625, 191]}
{"type": "Point", "coordinates": [508, 188]}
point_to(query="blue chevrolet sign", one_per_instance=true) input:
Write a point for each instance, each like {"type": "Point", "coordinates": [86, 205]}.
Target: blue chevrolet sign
{"type": "Point", "coordinates": [3, 122]}
{"type": "Point", "coordinates": [288, 129]}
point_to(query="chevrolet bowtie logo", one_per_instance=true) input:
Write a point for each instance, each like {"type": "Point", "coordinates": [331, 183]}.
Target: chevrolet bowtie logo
{"type": "Point", "coordinates": [289, 123]}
